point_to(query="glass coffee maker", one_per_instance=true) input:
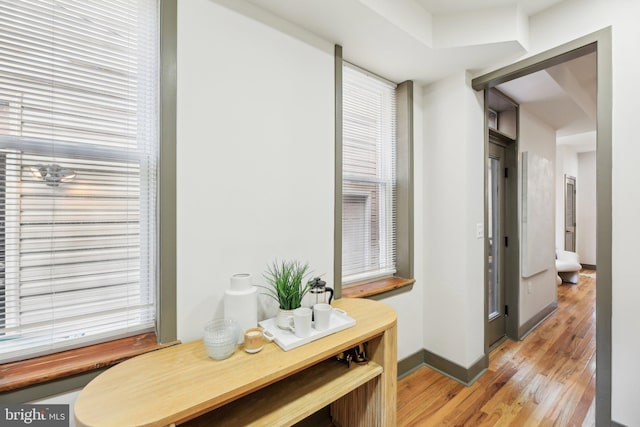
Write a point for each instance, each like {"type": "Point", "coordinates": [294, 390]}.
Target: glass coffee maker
{"type": "Point", "coordinates": [318, 293]}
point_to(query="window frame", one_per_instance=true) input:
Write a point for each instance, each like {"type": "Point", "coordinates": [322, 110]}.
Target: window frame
{"type": "Point", "coordinates": [166, 323]}
{"type": "Point", "coordinates": [404, 192]}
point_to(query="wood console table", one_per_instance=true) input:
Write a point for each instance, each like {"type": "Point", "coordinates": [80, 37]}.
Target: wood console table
{"type": "Point", "coordinates": [181, 384]}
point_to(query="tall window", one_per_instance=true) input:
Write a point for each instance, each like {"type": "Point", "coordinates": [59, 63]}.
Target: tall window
{"type": "Point", "coordinates": [78, 169]}
{"type": "Point", "coordinates": [368, 176]}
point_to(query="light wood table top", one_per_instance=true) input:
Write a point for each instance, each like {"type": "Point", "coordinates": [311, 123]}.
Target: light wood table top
{"type": "Point", "coordinates": [176, 384]}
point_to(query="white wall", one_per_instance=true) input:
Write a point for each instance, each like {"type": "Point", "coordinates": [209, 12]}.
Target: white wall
{"type": "Point", "coordinates": [586, 208]}
{"type": "Point", "coordinates": [453, 186]}
{"type": "Point", "coordinates": [537, 291]}
{"type": "Point", "coordinates": [255, 155]}
{"type": "Point", "coordinates": [255, 158]}
{"type": "Point", "coordinates": [566, 164]}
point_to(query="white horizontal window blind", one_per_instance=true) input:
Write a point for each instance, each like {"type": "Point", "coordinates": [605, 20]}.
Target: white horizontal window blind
{"type": "Point", "coordinates": [78, 169]}
{"type": "Point", "coordinates": [368, 171]}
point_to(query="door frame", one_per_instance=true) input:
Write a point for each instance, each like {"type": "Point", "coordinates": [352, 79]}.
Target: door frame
{"type": "Point", "coordinates": [510, 254]}
{"type": "Point", "coordinates": [600, 42]}
{"type": "Point", "coordinates": [568, 178]}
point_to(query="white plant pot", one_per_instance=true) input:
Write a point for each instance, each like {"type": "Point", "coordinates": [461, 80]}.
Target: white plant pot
{"type": "Point", "coordinates": [284, 319]}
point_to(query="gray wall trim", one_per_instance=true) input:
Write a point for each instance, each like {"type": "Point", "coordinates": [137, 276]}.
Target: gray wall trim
{"type": "Point", "coordinates": [604, 221]}
{"type": "Point", "coordinates": [512, 253]}
{"type": "Point", "coordinates": [588, 266]}
{"type": "Point", "coordinates": [411, 363]}
{"type": "Point", "coordinates": [615, 424]}
{"type": "Point", "coordinates": [528, 326]}
{"type": "Point", "coordinates": [485, 187]}
{"type": "Point", "coordinates": [466, 376]}
{"type": "Point", "coordinates": [167, 323]}
{"type": "Point", "coordinates": [485, 196]}
{"type": "Point", "coordinates": [337, 203]}
{"type": "Point", "coordinates": [599, 41]}
{"type": "Point", "coordinates": [404, 176]}
{"type": "Point", "coordinates": [563, 53]}
{"type": "Point", "coordinates": [50, 388]}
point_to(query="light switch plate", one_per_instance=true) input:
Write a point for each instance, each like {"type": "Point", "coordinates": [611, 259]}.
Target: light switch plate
{"type": "Point", "coordinates": [479, 230]}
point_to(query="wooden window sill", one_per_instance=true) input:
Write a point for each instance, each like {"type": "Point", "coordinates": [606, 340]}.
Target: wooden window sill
{"type": "Point", "coordinates": [376, 287]}
{"type": "Point", "coordinates": [24, 373]}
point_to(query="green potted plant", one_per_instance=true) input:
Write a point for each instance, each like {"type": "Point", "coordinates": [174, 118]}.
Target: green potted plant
{"type": "Point", "coordinates": [287, 286]}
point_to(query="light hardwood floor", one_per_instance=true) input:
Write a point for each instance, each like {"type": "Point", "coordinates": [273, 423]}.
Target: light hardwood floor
{"type": "Point", "coordinates": [548, 379]}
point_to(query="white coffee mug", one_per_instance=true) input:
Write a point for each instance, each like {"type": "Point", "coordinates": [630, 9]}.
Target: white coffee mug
{"type": "Point", "coordinates": [302, 322]}
{"type": "Point", "coordinates": [322, 316]}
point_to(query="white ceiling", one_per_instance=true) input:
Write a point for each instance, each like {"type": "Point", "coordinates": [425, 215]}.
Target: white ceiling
{"type": "Point", "coordinates": [530, 7]}
{"type": "Point", "coordinates": [426, 40]}
{"type": "Point", "coordinates": [403, 40]}
{"type": "Point", "coordinates": [563, 96]}
{"type": "Point", "coordinates": [420, 40]}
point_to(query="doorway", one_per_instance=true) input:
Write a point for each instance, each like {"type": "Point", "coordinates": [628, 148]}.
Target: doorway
{"type": "Point", "coordinates": [501, 220]}
{"type": "Point", "coordinates": [599, 42]}
{"type": "Point", "coordinates": [569, 213]}
{"type": "Point", "coordinates": [496, 241]}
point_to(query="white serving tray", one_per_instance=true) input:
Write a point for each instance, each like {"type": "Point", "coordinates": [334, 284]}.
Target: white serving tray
{"type": "Point", "coordinates": [287, 339]}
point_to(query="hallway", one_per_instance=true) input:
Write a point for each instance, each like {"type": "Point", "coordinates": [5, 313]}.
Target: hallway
{"type": "Point", "coordinates": [546, 379]}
